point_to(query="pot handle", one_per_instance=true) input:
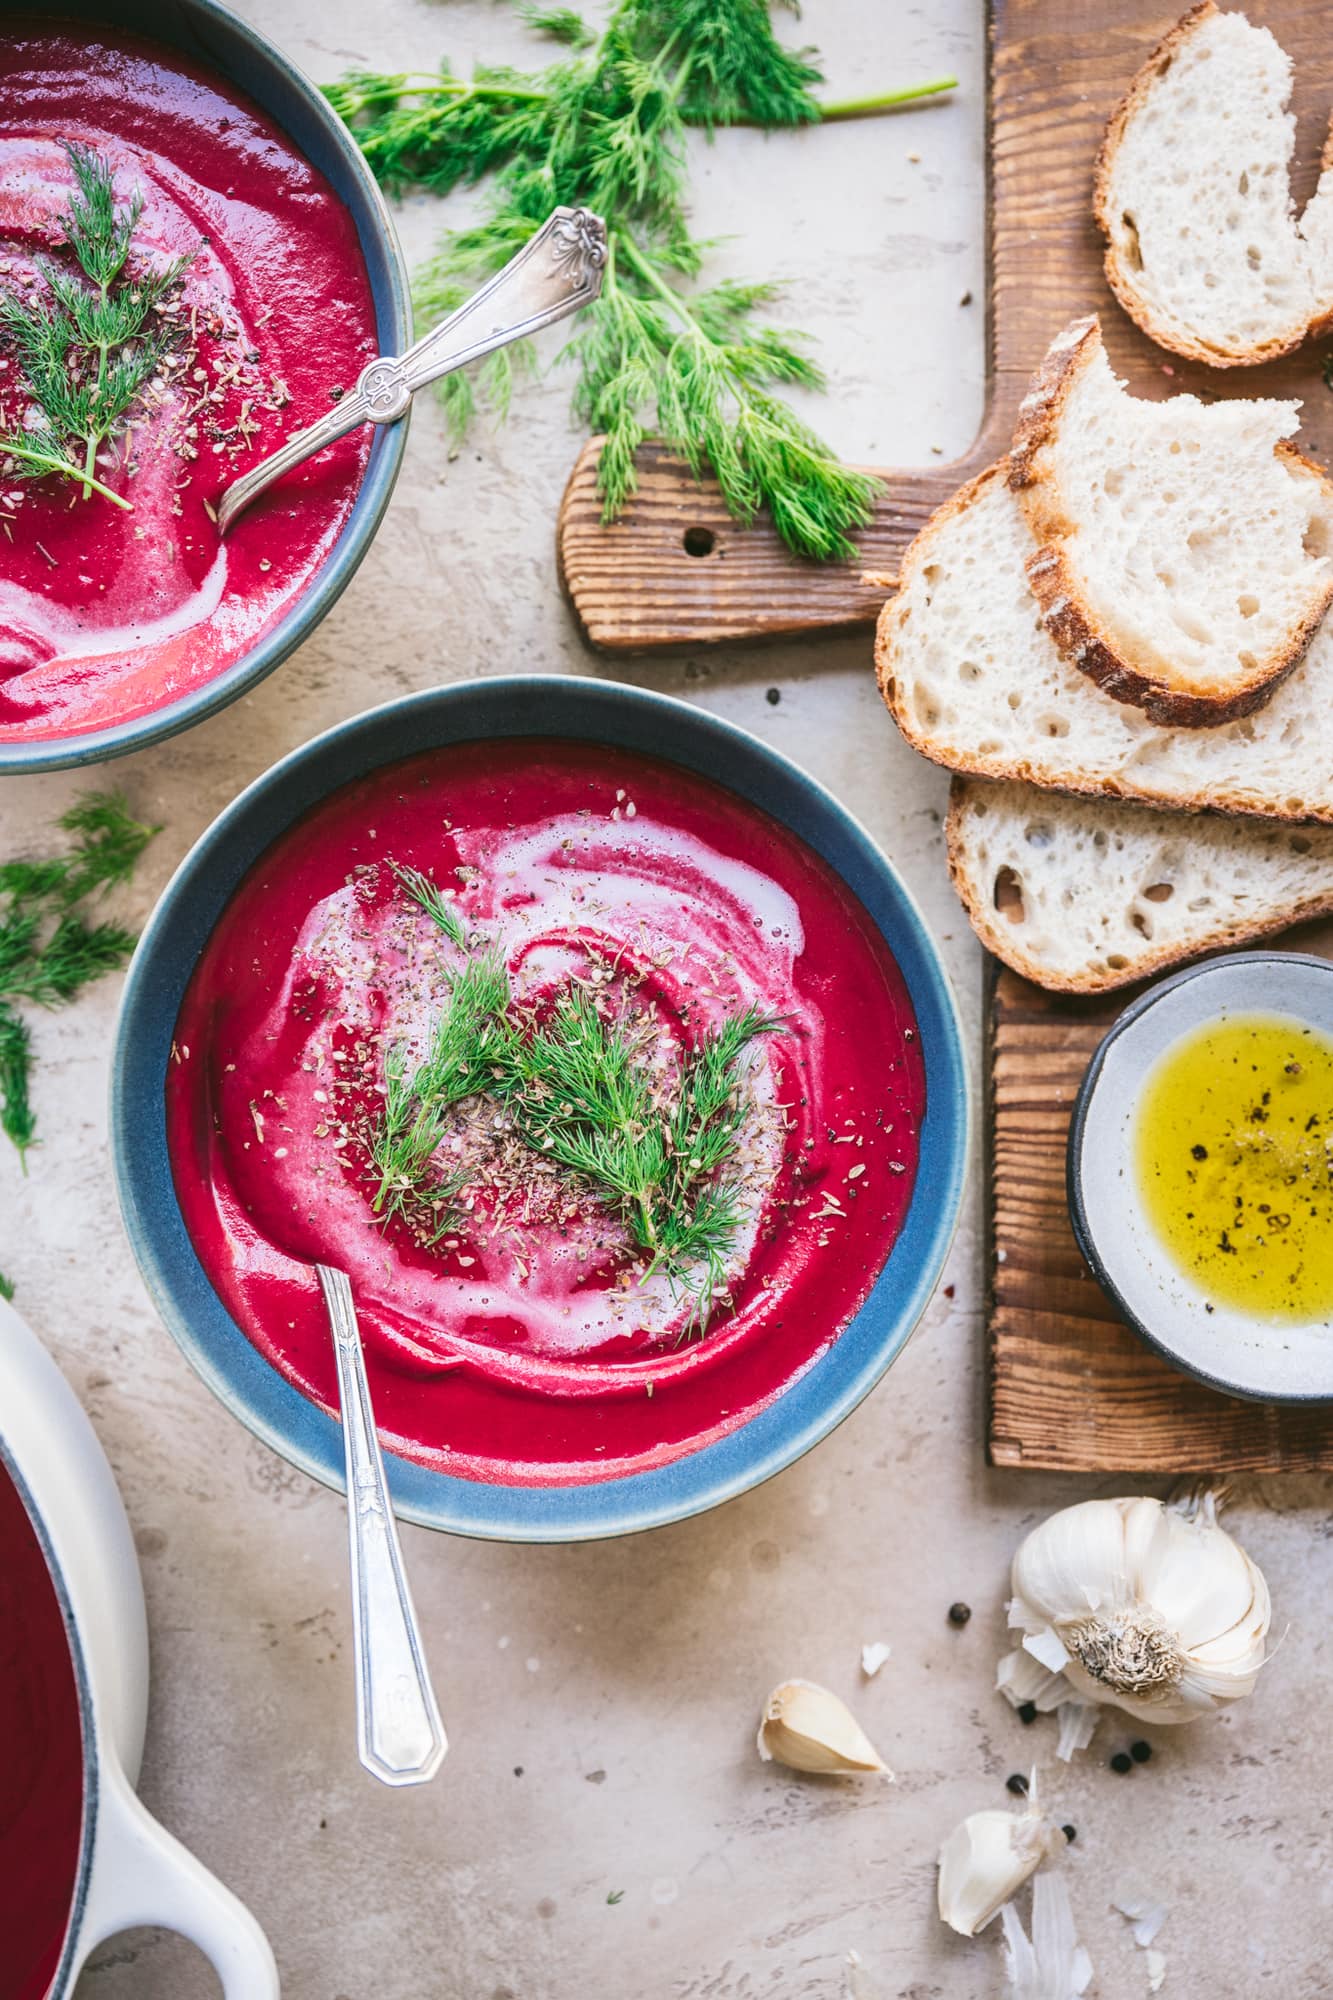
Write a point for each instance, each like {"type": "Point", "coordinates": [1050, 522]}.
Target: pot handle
{"type": "Point", "coordinates": [142, 1875]}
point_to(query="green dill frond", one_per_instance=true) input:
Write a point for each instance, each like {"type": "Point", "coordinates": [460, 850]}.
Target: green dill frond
{"type": "Point", "coordinates": [579, 1091]}
{"type": "Point", "coordinates": [442, 131]}
{"type": "Point", "coordinates": [561, 24]}
{"type": "Point", "coordinates": [17, 1119]}
{"type": "Point", "coordinates": [86, 350]}
{"type": "Point", "coordinates": [605, 127]}
{"type": "Point", "coordinates": [49, 951]}
{"type": "Point", "coordinates": [417, 1101]}
{"type": "Point", "coordinates": [98, 235]}
{"type": "Point", "coordinates": [739, 72]}
{"type": "Point", "coordinates": [108, 844]}
{"type": "Point", "coordinates": [6, 1287]}
{"type": "Point", "coordinates": [432, 899]}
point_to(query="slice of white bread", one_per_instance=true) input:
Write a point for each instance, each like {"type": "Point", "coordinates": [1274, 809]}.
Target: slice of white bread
{"type": "Point", "coordinates": [1183, 558]}
{"type": "Point", "coordinates": [975, 683]}
{"type": "Point", "coordinates": [1085, 895]}
{"type": "Point", "coordinates": [1193, 195]}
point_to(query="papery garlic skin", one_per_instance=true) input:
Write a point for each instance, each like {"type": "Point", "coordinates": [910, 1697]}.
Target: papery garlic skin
{"type": "Point", "coordinates": [1053, 1965]}
{"type": "Point", "coordinates": [987, 1859]}
{"type": "Point", "coordinates": [809, 1729]}
{"type": "Point", "coordinates": [1151, 1607]}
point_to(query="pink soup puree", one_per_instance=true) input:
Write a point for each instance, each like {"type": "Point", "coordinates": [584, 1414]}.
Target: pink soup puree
{"type": "Point", "coordinates": [106, 616]}
{"type": "Point", "coordinates": [528, 1346]}
{"type": "Point", "coordinates": [41, 1761]}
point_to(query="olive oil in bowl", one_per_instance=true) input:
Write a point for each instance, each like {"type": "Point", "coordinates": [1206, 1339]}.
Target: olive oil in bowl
{"type": "Point", "coordinates": [1233, 1148]}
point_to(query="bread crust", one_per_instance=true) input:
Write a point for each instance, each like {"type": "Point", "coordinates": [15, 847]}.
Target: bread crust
{"type": "Point", "coordinates": [1083, 639]}
{"type": "Point", "coordinates": [1001, 938]}
{"type": "Point", "coordinates": [1071, 783]}
{"type": "Point", "coordinates": [1176, 339]}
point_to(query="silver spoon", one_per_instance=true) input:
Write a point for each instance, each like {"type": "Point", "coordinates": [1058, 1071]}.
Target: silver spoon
{"type": "Point", "coordinates": [555, 273]}
{"type": "Point", "coordinates": [398, 1730]}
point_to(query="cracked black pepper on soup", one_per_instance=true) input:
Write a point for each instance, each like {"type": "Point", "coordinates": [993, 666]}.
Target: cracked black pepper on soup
{"type": "Point", "coordinates": [1234, 1153]}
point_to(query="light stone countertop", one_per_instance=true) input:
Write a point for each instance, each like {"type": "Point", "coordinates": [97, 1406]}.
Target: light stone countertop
{"type": "Point", "coordinates": [602, 1700]}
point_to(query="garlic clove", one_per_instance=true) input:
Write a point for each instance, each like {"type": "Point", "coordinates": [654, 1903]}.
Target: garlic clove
{"type": "Point", "coordinates": [1207, 1579]}
{"type": "Point", "coordinates": [987, 1859]}
{"type": "Point", "coordinates": [1073, 1561]}
{"type": "Point", "coordinates": [809, 1729]}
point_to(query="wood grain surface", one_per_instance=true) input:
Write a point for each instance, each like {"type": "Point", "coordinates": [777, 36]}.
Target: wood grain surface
{"type": "Point", "coordinates": [1070, 1386]}
{"type": "Point", "coordinates": [676, 571]}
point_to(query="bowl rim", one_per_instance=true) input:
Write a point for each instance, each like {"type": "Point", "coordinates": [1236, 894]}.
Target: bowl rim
{"type": "Point", "coordinates": [328, 583]}
{"type": "Point", "coordinates": [1078, 1212]}
{"type": "Point", "coordinates": [697, 1480]}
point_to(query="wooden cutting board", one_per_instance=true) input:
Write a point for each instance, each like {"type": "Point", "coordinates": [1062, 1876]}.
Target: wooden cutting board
{"type": "Point", "coordinates": [676, 571]}
{"type": "Point", "coordinates": [1071, 1387]}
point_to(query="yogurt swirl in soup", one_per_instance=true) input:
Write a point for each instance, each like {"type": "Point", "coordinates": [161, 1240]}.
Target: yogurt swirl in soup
{"type": "Point", "coordinates": [518, 1326]}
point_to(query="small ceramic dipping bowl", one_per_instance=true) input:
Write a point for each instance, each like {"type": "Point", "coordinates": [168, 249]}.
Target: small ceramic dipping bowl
{"type": "Point", "coordinates": [1265, 1359]}
{"type": "Point", "coordinates": [482, 712]}
{"type": "Point", "coordinates": [82, 1858]}
{"type": "Point", "coordinates": [211, 35]}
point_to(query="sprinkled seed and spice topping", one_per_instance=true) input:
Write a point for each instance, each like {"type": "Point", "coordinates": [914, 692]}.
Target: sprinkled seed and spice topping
{"type": "Point", "coordinates": [562, 1091]}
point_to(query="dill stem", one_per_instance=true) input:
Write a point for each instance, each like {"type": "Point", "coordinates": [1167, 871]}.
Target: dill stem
{"type": "Point", "coordinates": [648, 272]}
{"type": "Point", "coordinates": [65, 466]}
{"type": "Point", "coordinates": [95, 403]}
{"type": "Point", "coordinates": [868, 107]}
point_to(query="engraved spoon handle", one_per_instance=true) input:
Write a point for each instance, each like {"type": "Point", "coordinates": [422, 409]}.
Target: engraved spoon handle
{"type": "Point", "coordinates": [399, 1733]}
{"type": "Point", "coordinates": [555, 273]}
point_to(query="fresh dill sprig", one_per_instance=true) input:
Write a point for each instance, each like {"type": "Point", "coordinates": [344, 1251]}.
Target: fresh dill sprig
{"type": "Point", "coordinates": [417, 1100]}
{"type": "Point", "coordinates": [579, 1091]}
{"type": "Point", "coordinates": [604, 126]}
{"type": "Point", "coordinates": [6, 1287]}
{"type": "Point", "coordinates": [432, 900]}
{"type": "Point", "coordinates": [49, 949]}
{"type": "Point", "coordinates": [86, 350]}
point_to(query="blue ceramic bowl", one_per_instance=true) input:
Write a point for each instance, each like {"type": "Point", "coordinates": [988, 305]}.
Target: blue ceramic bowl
{"type": "Point", "coordinates": [213, 36]}
{"type": "Point", "coordinates": [598, 712]}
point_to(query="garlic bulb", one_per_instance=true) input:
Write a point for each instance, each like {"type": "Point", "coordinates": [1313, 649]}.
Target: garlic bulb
{"type": "Point", "coordinates": [1149, 1606]}
{"type": "Point", "coordinates": [809, 1729]}
{"type": "Point", "coordinates": [988, 1858]}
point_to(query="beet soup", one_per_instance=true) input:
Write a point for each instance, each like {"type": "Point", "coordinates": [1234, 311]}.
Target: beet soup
{"type": "Point", "coordinates": [41, 1749]}
{"type": "Point", "coordinates": [385, 1061]}
{"type": "Point", "coordinates": [108, 614]}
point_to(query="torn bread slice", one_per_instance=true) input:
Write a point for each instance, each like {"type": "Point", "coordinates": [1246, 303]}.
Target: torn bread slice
{"type": "Point", "coordinates": [1183, 548]}
{"type": "Point", "coordinates": [1193, 195]}
{"type": "Point", "coordinates": [1085, 895]}
{"type": "Point", "coordinates": [974, 682]}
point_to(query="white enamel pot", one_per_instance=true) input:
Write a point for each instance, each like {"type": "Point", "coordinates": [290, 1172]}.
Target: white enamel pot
{"type": "Point", "coordinates": [130, 1870]}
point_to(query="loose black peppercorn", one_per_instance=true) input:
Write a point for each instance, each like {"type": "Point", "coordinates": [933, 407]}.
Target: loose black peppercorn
{"type": "Point", "coordinates": [1199, 1152]}
{"type": "Point", "coordinates": [1140, 1751]}
{"type": "Point", "coordinates": [773, 697]}
{"type": "Point", "coordinates": [1017, 1784]}
{"type": "Point", "coordinates": [1070, 1833]}
{"type": "Point", "coordinates": [1122, 1762]}
{"type": "Point", "coordinates": [1027, 1711]}
{"type": "Point", "coordinates": [959, 1613]}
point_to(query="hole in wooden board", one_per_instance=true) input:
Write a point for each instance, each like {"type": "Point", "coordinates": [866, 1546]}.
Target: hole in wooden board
{"type": "Point", "coordinates": [1009, 896]}
{"type": "Point", "coordinates": [699, 541]}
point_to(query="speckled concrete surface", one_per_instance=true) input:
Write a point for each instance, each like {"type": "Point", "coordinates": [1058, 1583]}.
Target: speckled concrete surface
{"type": "Point", "coordinates": [602, 1700]}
